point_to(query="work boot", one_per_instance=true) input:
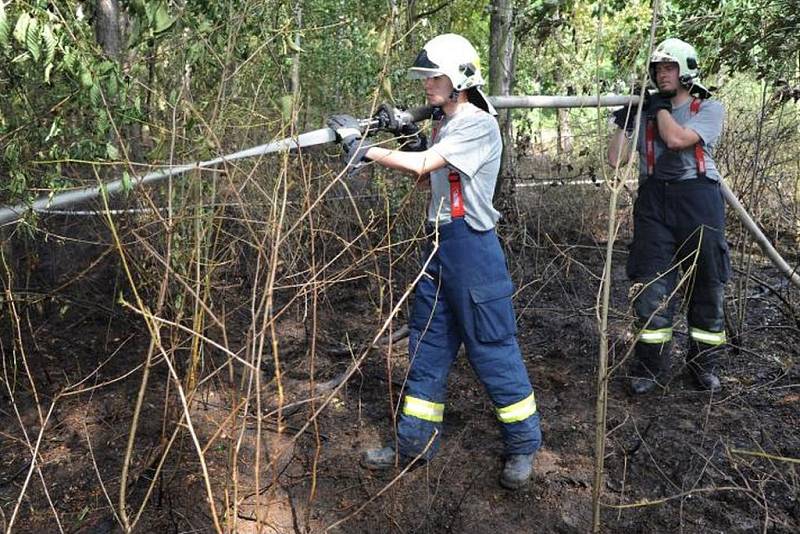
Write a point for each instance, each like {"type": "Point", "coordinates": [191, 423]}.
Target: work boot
{"type": "Point", "coordinates": [702, 362]}
{"type": "Point", "coordinates": [640, 385]}
{"type": "Point", "coordinates": [379, 459]}
{"type": "Point", "coordinates": [384, 458]}
{"type": "Point", "coordinates": [517, 471]}
{"type": "Point", "coordinates": [707, 380]}
{"type": "Point", "coordinates": [650, 368]}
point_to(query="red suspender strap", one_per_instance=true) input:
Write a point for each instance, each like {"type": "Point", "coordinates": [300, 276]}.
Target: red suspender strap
{"type": "Point", "coordinates": [456, 198]}
{"type": "Point", "coordinates": [698, 147]}
{"type": "Point", "coordinates": [649, 146]}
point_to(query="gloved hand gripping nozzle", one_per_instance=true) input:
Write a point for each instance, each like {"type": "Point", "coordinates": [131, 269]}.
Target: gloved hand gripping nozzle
{"type": "Point", "coordinates": [350, 132]}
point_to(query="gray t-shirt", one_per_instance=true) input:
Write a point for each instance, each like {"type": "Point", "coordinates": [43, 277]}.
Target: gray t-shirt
{"type": "Point", "coordinates": [674, 165]}
{"type": "Point", "coordinates": [470, 142]}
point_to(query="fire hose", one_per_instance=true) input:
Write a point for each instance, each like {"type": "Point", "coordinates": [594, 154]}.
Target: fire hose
{"type": "Point", "coordinates": [375, 124]}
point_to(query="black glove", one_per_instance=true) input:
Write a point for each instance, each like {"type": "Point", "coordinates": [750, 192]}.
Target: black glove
{"type": "Point", "coordinates": [625, 118]}
{"type": "Point", "coordinates": [655, 103]}
{"type": "Point", "coordinates": [413, 139]}
{"type": "Point", "coordinates": [387, 119]}
{"type": "Point", "coordinates": [348, 134]}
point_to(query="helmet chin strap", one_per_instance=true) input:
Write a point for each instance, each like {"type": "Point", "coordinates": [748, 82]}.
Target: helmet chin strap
{"type": "Point", "coordinates": [454, 95]}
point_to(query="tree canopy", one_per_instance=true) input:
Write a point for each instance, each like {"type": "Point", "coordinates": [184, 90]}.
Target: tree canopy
{"type": "Point", "coordinates": [72, 95]}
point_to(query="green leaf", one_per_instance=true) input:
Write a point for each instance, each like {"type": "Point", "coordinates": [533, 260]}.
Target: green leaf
{"type": "Point", "coordinates": [21, 28]}
{"type": "Point", "coordinates": [47, 70]}
{"type": "Point", "coordinates": [112, 87]}
{"type": "Point", "coordinates": [386, 87]}
{"type": "Point", "coordinates": [95, 96]}
{"type": "Point", "coordinates": [21, 58]}
{"type": "Point", "coordinates": [5, 27]}
{"type": "Point", "coordinates": [160, 19]}
{"type": "Point", "coordinates": [54, 130]}
{"type": "Point", "coordinates": [102, 125]}
{"type": "Point", "coordinates": [105, 67]}
{"type": "Point", "coordinates": [86, 78]}
{"type": "Point", "coordinates": [127, 185]}
{"type": "Point", "coordinates": [19, 182]}
{"type": "Point", "coordinates": [384, 41]}
{"type": "Point", "coordinates": [290, 42]}
{"type": "Point", "coordinates": [112, 151]}
{"type": "Point", "coordinates": [50, 43]}
{"type": "Point", "coordinates": [69, 60]}
{"type": "Point", "coordinates": [32, 40]}
{"type": "Point", "coordinates": [11, 154]}
{"type": "Point", "coordinates": [285, 104]}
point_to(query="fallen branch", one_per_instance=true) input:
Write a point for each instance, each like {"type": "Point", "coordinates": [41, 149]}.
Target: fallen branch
{"type": "Point", "coordinates": [647, 502]}
{"type": "Point", "coordinates": [397, 335]}
{"type": "Point", "coordinates": [766, 455]}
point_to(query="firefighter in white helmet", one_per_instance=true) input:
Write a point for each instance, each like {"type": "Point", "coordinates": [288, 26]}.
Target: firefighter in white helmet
{"type": "Point", "coordinates": [465, 295]}
{"type": "Point", "coordinates": [679, 218]}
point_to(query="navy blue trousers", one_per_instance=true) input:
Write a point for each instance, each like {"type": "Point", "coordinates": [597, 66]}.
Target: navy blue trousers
{"type": "Point", "coordinates": [680, 226]}
{"type": "Point", "coordinates": [465, 297]}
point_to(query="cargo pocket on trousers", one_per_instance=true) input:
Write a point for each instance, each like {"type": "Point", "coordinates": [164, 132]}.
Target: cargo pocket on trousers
{"type": "Point", "coordinates": [493, 311]}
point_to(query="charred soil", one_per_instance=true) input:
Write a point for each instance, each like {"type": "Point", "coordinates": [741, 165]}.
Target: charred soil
{"type": "Point", "coordinates": [678, 460]}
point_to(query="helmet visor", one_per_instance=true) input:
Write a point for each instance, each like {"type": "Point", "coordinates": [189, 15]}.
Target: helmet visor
{"type": "Point", "coordinates": [423, 67]}
{"type": "Point", "coordinates": [416, 73]}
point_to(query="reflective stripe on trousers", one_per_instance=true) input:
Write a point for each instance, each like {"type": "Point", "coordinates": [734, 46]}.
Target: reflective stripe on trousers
{"type": "Point", "coordinates": [661, 335]}
{"type": "Point", "coordinates": [709, 338]}
{"type": "Point", "coordinates": [519, 411]}
{"type": "Point", "coordinates": [422, 409]}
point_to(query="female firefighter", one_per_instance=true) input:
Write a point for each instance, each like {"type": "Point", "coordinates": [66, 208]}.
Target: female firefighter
{"type": "Point", "coordinates": [465, 295]}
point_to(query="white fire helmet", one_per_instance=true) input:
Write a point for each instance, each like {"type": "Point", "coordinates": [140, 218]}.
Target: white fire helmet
{"type": "Point", "coordinates": [685, 56]}
{"type": "Point", "coordinates": [453, 56]}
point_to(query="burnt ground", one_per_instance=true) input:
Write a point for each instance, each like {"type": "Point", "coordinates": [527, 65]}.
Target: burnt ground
{"type": "Point", "coordinates": [678, 460]}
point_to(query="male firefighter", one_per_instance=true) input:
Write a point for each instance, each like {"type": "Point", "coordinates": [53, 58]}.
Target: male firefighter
{"type": "Point", "coordinates": [679, 219]}
{"type": "Point", "coordinates": [465, 294]}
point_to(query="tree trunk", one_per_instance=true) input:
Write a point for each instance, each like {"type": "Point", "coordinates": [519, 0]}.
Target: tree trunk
{"type": "Point", "coordinates": [109, 31]}
{"type": "Point", "coordinates": [6, 256]}
{"type": "Point", "coordinates": [411, 19]}
{"type": "Point", "coordinates": [107, 28]}
{"type": "Point", "coordinates": [564, 133]}
{"type": "Point", "coordinates": [502, 59]}
{"type": "Point", "coordinates": [298, 19]}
